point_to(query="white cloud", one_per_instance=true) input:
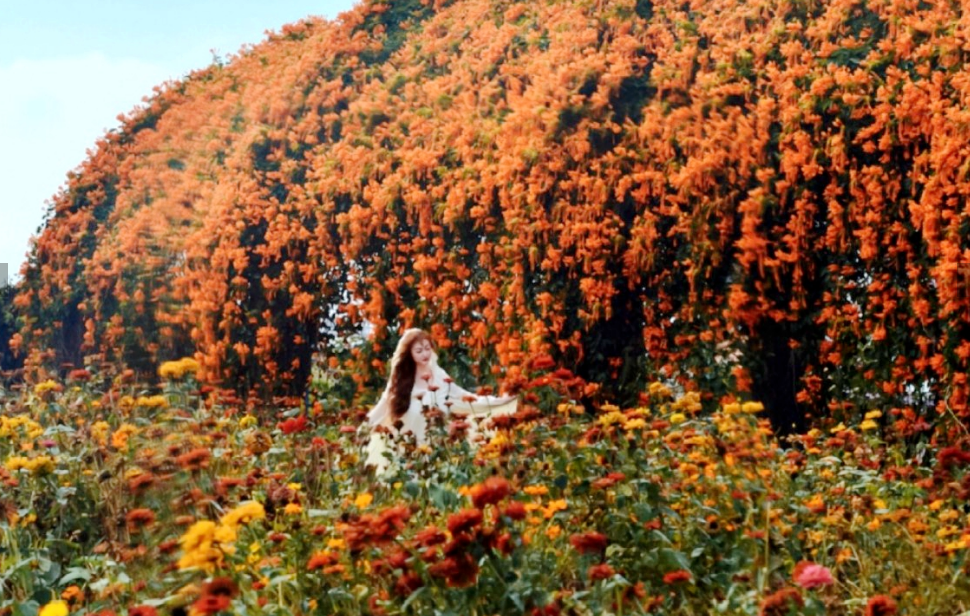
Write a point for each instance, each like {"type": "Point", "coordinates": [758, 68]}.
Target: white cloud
{"type": "Point", "coordinates": [51, 112]}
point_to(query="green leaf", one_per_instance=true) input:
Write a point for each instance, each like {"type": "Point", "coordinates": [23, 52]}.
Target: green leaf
{"type": "Point", "coordinates": [74, 574]}
{"type": "Point", "coordinates": [673, 559]}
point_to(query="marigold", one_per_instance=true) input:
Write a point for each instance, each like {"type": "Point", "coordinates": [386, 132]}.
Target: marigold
{"type": "Point", "coordinates": [55, 608]}
{"type": "Point", "coordinates": [553, 507]}
{"type": "Point", "coordinates": [244, 513]}
{"type": "Point", "coordinates": [536, 490]}
{"type": "Point", "coordinates": [320, 560]}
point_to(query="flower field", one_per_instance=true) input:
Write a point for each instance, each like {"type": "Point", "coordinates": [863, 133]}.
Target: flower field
{"type": "Point", "coordinates": [118, 502]}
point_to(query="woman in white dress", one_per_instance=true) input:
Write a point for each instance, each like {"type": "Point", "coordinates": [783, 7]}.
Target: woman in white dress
{"type": "Point", "coordinates": [417, 381]}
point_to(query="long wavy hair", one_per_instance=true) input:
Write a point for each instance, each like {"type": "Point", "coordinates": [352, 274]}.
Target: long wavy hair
{"type": "Point", "coordinates": [404, 371]}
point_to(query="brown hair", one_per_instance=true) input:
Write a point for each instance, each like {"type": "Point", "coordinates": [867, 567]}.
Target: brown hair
{"type": "Point", "coordinates": [402, 381]}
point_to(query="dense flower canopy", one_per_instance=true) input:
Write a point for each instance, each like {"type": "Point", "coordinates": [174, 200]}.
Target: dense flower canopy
{"type": "Point", "coordinates": [774, 187]}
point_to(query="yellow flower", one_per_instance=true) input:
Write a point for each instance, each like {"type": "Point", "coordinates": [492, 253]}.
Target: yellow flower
{"type": "Point", "coordinates": [42, 388]}
{"type": "Point", "coordinates": [154, 402]}
{"type": "Point", "coordinates": [613, 417]}
{"type": "Point", "coordinates": [635, 424]}
{"type": "Point", "coordinates": [247, 421]}
{"type": "Point", "coordinates": [844, 555]}
{"type": "Point", "coordinates": [204, 544]}
{"type": "Point", "coordinates": [224, 534]}
{"type": "Point", "coordinates": [15, 463]}
{"type": "Point", "coordinates": [119, 440]}
{"type": "Point", "coordinates": [363, 500]}
{"type": "Point", "coordinates": [38, 466]}
{"type": "Point", "coordinates": [565, 408]}
{"type": "Point", "coordinates": [178, 369]}
{"type": "Point", "coordinates": [336, 544]}
{"type": "Point", "coordinates": [553, 531]}
{"type": "Point", "coordinates": [554, 506]}
{"type": "Point", "coordinates": [292, 509]}
{"type": "Point", "coordinates": [873, 415]}
{"type": "Point", "coordinates": [678, 418]}
{"type": "Point", "coordinates": [536, 490]}
{"type": "Point", "coordinates": [658, 389]}
{"type": "Point", "coordinates": [838, 428]}
{"type": "Point", "coordinates": [752, 407]}
{"type": "Point", "coordinates": [868, 425]}
{"type": "Point", "coordinates": [99, 432]}
{"type": "Point", "coordinates": [54, 608]}
{"type": "Point", "coordinates": [949, 515]}
{"type": "Point", "coordinates": [243, 514]}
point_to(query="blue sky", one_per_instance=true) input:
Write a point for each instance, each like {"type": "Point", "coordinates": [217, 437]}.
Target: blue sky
{"type": "Point", "coordinates": [69, 67]}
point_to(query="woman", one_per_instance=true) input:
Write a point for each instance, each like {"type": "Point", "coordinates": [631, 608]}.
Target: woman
{"type": "Point", "coordinates": [416, 381]}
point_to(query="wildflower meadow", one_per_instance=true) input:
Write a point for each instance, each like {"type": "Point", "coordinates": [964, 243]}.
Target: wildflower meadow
{"type": "Point", "coordinates": [184, 502]}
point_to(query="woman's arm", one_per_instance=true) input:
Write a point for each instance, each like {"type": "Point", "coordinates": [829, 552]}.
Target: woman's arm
{"type": "Point", "coordinates": [456, 398]}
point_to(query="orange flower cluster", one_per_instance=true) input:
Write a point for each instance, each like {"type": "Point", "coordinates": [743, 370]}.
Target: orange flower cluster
{"type": "Point", "coordinates": [594, 182]}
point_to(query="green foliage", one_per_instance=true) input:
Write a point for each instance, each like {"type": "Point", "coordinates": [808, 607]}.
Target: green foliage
{"type": "Point", "coordinates": [8, 327]}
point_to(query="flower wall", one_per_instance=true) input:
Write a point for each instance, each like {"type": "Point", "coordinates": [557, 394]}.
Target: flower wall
{"type": "Point", "coordinates": [770, 190]}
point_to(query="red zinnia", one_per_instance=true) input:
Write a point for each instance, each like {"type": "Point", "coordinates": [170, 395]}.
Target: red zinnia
{"type": "Point", "coordinates": [466, 519]}
{"type": "Point", "coordinates": [293, 425]}
{"type": "Point", "coordinates": [430, 536]}
{"type": "Point", "coordinates": [407, 583]}
{"type": "Point", "coordinates": [880, 605]}
{"type": "Point", "coordinates": [142, 610]}
{"type": "Point", "coordinates": [781, 602]}
{"type": "Point", "coordinates": [600, 572]}
{"type": "Point", "coordinates": [140, 518]}
{"type": "Point", "coordinates": [675, 577]}
{"type": "Point", "coordinates": [608, 481]}
{"type": "Point", "coordinates": [952, 456]}
{"type": "Point", "coordinates": [589, 543]}
{"type": "Point", "coordinates": [220, 586]}
{"type": "Point", "coordinates": [194, 460]}
{"type": "Point", "coordinates": [459, 570]}
{"type": "Point", "coordinates": [211, 604]}
{"type": "Point", "coordinates": [515, 510]}
{"type": "Point", "coordinates": [490, 492]}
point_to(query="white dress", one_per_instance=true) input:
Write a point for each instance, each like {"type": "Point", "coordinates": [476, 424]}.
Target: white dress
{"type": "Point", "coordinates": [447, 396]}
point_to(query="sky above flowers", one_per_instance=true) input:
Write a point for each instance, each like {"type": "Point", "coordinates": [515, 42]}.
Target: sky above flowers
{"type": "Point", "coordinates": [68, 68]}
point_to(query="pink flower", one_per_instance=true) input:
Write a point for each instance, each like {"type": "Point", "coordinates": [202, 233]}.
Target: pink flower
{"type": "Point", "coordinates": [810, 575]}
